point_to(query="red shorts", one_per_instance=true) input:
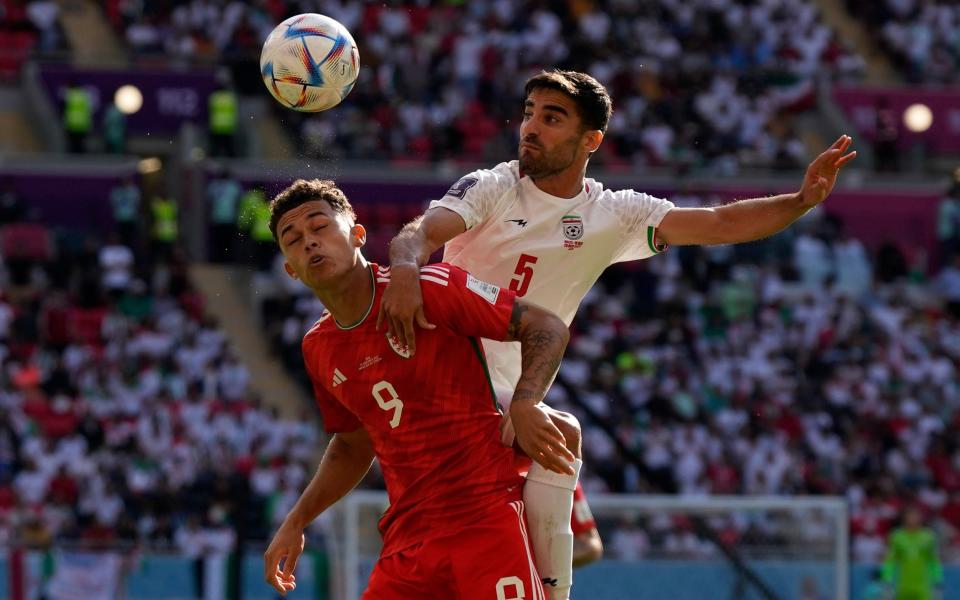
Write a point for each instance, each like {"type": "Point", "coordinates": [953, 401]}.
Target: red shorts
{"type": "Point", "coordinates": [487, 560]}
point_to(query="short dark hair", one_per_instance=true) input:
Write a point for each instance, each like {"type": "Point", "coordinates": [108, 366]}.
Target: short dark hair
{"type": "Point", "coordinates": [591, 98]}
{"type": "Point", "coordinates": [302, 191]}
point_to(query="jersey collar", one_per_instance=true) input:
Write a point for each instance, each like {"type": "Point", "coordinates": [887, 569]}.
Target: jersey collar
{"type": "Point", "coordinates": [533, 190]}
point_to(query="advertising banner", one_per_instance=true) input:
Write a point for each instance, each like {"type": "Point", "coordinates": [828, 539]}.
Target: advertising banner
{"type": "Point", "coordinates": [170, 98]}
{"type": "Point", "coordinates": [943, 136]}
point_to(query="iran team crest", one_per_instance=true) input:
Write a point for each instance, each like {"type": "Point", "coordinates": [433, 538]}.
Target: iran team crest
{"type": "Point", "coordinates": [572, 227]}
{"type": "Point", "coordinates": [398, 346]}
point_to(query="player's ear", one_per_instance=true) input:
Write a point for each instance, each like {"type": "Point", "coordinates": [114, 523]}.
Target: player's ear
{"type": "Point", "coordinates": [289, 270]}
{"type": "Point", "coordinates": [358, 235]}
{"type": "Point", "coordinates": [592, 139]}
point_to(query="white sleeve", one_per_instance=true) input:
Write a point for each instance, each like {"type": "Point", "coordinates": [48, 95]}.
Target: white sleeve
{"type": "Point", "coordinates": [641, 215]}
{"type": "Point", "coordinates": [474, 196]}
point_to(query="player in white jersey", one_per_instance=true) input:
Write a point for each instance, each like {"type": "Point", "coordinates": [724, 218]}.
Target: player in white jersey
{"type": "Point", "coordinates": [540, 227]}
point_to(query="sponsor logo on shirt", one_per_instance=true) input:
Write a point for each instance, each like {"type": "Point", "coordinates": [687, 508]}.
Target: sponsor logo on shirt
{"type": "Point", "coordinates": [521, 222]}
{"type": "Point", "coordinates": [399, 347]}
{"type": "Point", "coordinates": [460, 188]}
{"type": "Point", "coordinates": [338, 377]}
{"type": "Point", "coordinates": [572, 226]}
{"type": "Point", "coordinates": [487, 291]}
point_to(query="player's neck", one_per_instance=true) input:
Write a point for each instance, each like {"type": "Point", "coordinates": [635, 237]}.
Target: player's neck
{"type": "Point", "coordinates": [349, 299]}
{"type": "Point", "coordinates": [565, 184]}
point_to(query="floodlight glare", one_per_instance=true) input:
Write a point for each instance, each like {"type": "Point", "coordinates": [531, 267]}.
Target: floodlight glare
{"type": "Point", "coordinates": [128, 99]}
{"type": "Point", "coordinates": [918, 118]}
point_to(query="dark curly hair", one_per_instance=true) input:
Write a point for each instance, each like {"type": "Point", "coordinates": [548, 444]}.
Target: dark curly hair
{"type": "Point", "coordinates": [590, 97]}
{"type": "Point", "coordinates": [302, 191]}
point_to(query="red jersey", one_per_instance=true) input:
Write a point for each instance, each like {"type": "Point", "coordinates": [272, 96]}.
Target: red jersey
{"type": "Point", "coordinates": [432, 417]}
{"type": "Point", "coordinates": [581, 520]}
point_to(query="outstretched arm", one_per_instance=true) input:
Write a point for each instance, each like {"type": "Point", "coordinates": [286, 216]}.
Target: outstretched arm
{"type": "Point", "coordinates": [543, 338]}
{"type": "Point", "coordinates": [402, 302]}
{"type": "Point", "coordinates": [344, 463]}
{"type": "Point", "coordinates": [757, 218]}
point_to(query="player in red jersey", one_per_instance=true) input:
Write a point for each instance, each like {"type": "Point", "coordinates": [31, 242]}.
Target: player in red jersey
{"type": "Point", "coordinates": [455, 527]}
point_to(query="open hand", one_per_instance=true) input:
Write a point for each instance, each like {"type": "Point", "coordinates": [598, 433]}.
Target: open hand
{"type": "Point", "coordinates": [822, 173]}
{"type": "Point", "coordinates": [402, 303]}
{"type": "Point", "coordinates": [287, 545]}
{"type": "Point", "coordinates": [540, 438]}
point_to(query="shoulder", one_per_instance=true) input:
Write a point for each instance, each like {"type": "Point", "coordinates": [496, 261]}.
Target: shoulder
{"type": "Point", "coordinates": [501, 177]}
{"type": "Point", "coordinates": [437, 274]}
{"type": "Point", "coordinates": [625, 203]}
{"type": "Point", "coordinates": [316, 334]}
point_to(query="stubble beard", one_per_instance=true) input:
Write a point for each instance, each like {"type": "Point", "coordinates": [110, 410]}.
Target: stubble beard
{"type": "Point", "coordinates": [549, 163]}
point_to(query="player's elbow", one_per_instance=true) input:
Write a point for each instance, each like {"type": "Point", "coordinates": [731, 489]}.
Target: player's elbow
{"type": "Point", "coordinates": [594, 550]}
{"type": "Point", "coordinates": [589, 548]}
{"type": "Point", "coordinates": [561, 329]}
{"type": "Point", "coordinates": [555, 325]}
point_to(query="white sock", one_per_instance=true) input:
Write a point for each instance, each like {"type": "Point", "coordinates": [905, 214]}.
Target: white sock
{"type": "Point", "coordinates": [548, 499]}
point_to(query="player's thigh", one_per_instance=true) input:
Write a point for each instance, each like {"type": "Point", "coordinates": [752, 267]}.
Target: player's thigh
{"type": "Point", "coordinates": [492, 560]}
{"type": "Point", "coordinates": [405, 575]}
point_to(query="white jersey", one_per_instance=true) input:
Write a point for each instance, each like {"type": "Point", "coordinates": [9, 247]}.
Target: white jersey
{"type": "Point", "coordinates": [549, 250]}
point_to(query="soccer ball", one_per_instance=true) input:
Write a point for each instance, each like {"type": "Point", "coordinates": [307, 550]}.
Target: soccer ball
{"type": "Point", "coordinates": [309, 62]}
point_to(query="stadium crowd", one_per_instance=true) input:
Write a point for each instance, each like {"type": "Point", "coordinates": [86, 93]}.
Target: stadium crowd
{"type": "Point", "coordinates": [703, 85]}
{"type": "Point", "coordinates": [921, 37]}
{"type": "Point", "coordinates": [125, 416]}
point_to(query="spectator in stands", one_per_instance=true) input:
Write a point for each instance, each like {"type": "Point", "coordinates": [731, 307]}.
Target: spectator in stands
{"type": "Point", "coordinates": [887, 140]}
{"type": "Point", "coordinates": [11, 208]}
{"type": "Point", "coordinates": [165, 227]}
{"type": "Point", "coordinates": [223, 117]}
{"type": "Point", "coordinates": [223, 194]}
{"type": "Point", "coordinates": [948, 284]}
{"type": "Point", "coordinates": [77, 116]}
{"type": "Point", "coordinates": [253, 219]}
{"type": "Point", "coordinates": [114, 129]}
{"type": "Point", "coordinates": [125, 202]}
{"type": "Point", "coordinates": [948, 220]}
{"type": "Point", "coordinates": [43, 14]}
{"type": "Point", "coordinates": [116, 263]}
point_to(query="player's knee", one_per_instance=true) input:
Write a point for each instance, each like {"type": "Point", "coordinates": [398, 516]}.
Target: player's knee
{"type": "Point", "coordinates": [569, 426]}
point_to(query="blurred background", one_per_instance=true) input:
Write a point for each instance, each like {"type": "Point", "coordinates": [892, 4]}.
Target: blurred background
{"type": "Point", "coordinates": [156, 422]}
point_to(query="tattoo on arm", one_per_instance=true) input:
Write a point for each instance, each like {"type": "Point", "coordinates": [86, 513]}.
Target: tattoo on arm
{"type": "Point", "coordinates": [513, 329]}
{"type": "Point", "coordinates": [541, 350]}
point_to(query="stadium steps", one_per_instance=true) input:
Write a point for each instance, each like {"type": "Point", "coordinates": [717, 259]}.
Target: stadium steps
{"type": "Point", "coordinates": [18, 134]}
{"type": "Point", "coordinates": [92, 40]}
{"type": "Point", "coordinates": [879, 68]}
{"type": "Point", "coordinates": [265, 135]}
{"type": "Point", "coordinates": [812, 132]}
{"type": "Point", "coordinates": [227, 294]}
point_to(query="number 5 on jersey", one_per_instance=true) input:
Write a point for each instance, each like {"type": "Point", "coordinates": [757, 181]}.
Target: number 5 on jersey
{"type": "Point", "coordinates": [523, 272]}
{"type": "Point", "coordinates": [388, 399]}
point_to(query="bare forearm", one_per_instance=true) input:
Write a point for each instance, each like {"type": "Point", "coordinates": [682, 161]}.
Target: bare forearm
{"type": "Point", "coordinates": [542, 342]}
{"type": "Point", "coordinates": [758, 218]}
{"type": "Point", "coordinates": [341, 469]}
{"type": "Point", "coordinates": [741, 221]}
{"type": "Point", "coordinates": [410, 246]}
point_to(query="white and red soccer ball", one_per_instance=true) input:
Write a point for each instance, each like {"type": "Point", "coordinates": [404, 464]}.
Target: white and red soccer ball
{"type": "Point", "coordinates": [309, 62]}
